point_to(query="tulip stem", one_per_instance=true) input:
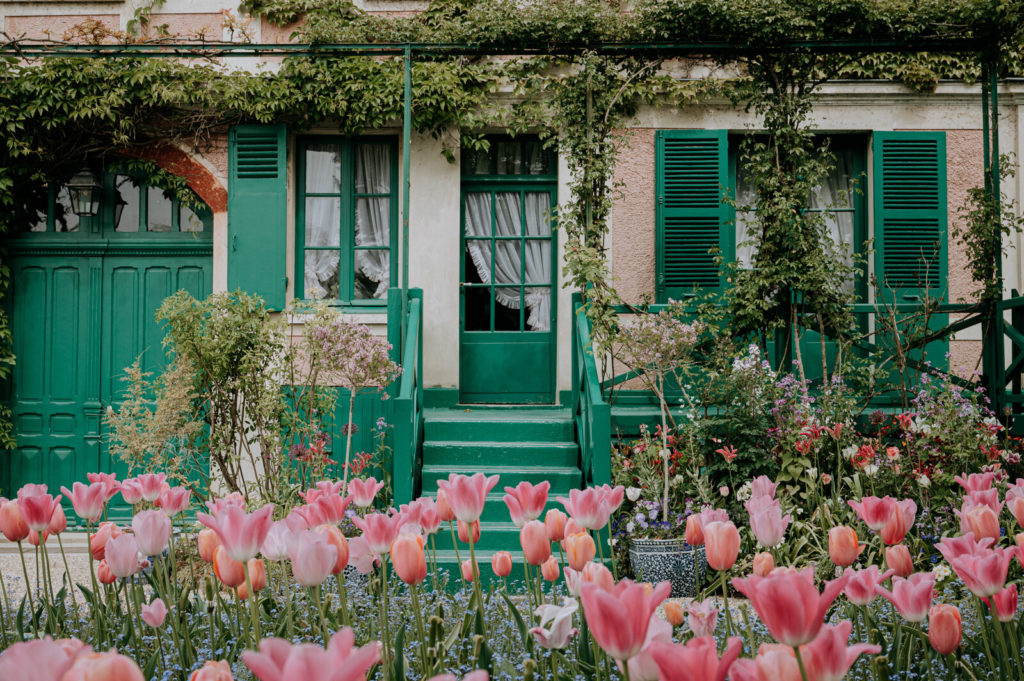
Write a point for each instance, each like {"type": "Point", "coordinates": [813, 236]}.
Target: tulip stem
{"type": "Point", "coordinates": [160, 645]}
{"type": "Point", "coordinates": [385, 624]}
{"type": "Point", "coordinates": [725, 607]}
{"type": "Point", "coordinates": [455, 544]}
{"type": "Point", "coordinates": [343, 596]}
{"type": "Point", "coordinates": [433, 558]}
{"type": "Point", "coordinates": [800, 662]}
{"type": "Point", "coordinates": [28, 591]}
{"type": "Point", "coordinates": [67, 573]}
{"type": "Point", "coordinates": [414, 591]}
{"type": "Point", "coordinates": [984, 636]}
{"type": "Point", "coordinates": [253, 606]}
{"type": "Point", "coordinates": [998, 626]}
{"type": "Point", "coordinates": [611, 552]}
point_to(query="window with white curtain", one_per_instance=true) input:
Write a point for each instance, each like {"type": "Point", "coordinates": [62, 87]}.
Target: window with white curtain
{"type": "Point", "coordinates": [346, 218]}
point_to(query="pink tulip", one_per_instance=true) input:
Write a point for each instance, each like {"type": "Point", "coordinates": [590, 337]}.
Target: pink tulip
{"type": "Point", "coordinates": [501, 563]}
{"type": "Point", "coordinates": [766, 521]}
{"type": "Point", "coordinates": [58, 521]}
{"type": "Point", "coordinates": [860, 584]}
{"type": "Point", "coordinates": [103, 573]}
{"type": "Point", "coordinates": [944, 628]}
{"type": "Point", "coordinates": [964, 545]}
{"type": "Point", "coordinates": [109, 479]}
{"type": "Point", "coordinates": [873, 511]}
{"type": "Point", "coordinates": [104, 533]}
{"type": "Point", "coordinates": [131, 491]}
{"type": "Point", "coordinates": [426, 512]}
{"type": "Point", "coordinates": [764, 563]}
{"type": "Point", "coordinates": [152, 485]}
{"type": "Point", "coordinates": [982, 522]}
{"type": "Point", "coordinates": [336, 539]}
{"type": "Point", "coordinates": [1016, 506]}
{"type": "Point", "coordinates": [762, 486]}
{"type": "Point", "coordinates": [619, 619]}
{"type": "Point", "coordinates": [988, 497]}
{"type": "Point", "coordinates": [549, 569]}
{"type": "Point", "coordinates": [281, 660]}
{"type": "Point", "coordinates": [122, 555]}
{"type": "Point", "coordinates": [109, 666]}
{"type": "Point", "coordinates": [444, 509]}
{"type": "Point", "coordinates": [230, 572]}
{"type": "Point", "coordinates": [789, 604]}
{"type": "Point", "coordinates": [597, 573]}
{"type": "Point", "coordinates": [174, 500]}
{"type": "Point", "coordinates": [312, 557]}
{"type": "Point", "coordinates": [363, 491]}
{"type": "Point", "coordinates": [526, 501]}
{"type": "Point", "coordinates": [380, 531]}
{"type": "Point", "coordinates": [213, 671]}
{"type": "Point", "coordinates": [12, 524]}
{"type": "Point", "coordinates": [470, 571]}
{"type": "Point", "coordinates": [976, 482]}
{"type": "Point", "coordinates": [696, 661]}
{"type": "Point", "coordinates": [897, 559]}
{"type": "Point", "coordinates": [533, 538]}
{"type": "Point", "coordinates": [40, 659]}
{"type": "Point", "coordinates": [555, 629]}
{"type": "Point", "coordinates": [155, 613]}
{"type": "Point", "coordinates": [774, 662]}
{"type": "Point", "coordinates": [827, 657]}
{"type": "Point", "coordinates": [275, 544]}
{"type": "Point", "coordinates": [613, 495]}
{"type": "Point", "coordinates": [409, 559]}
{"type": "Point", "coordinates": [694, 530]}
{"type": "Point", "coordinates": [722, 544]}
{"type": "Point", "coordinates": [843, 546]}
{"type": "Point", "coordinates": [911, 596]}
{"type": "Point", "coordinates": [983, 572]}
{"type": "Point", "coordinates": [329, 488]}
{"type": "Point", "coordinates": [467, 494]}
{"type": "Point", "coordinates": [152, 531]}
{"type": "Point", "coordinates": [88, 500]}
{"type": "Point", "coordinates": [1014, 490]}
{"type": "Point", "coordinates": [361, 557]}
{"type": "Point", "coordinates": [580, 549]}
{"type": "Point", "coordinates": [36, 506]}
{"type": "Point", "coordinates": [588, 507]}
{"type": "Point", "coordinates": [468, 532]}
{"type": "Point", "coordinates": [233, 499]}
{"type": "Point", "coordinates": [240, 532]}
{"type": "Point", "coordinates": [642, 666]}
{"type": "Point", "coordinates": [702, 617]}
{"type": "Point", "coordinates": [895, 529]}
{"type": "Point", "coordinates": [1004, 603]}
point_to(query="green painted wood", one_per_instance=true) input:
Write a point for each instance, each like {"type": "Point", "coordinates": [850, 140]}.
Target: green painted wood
{"type": "Point", "coordinates": [691, 219]}
{"type": "Point", "coordinates": [257, 212]}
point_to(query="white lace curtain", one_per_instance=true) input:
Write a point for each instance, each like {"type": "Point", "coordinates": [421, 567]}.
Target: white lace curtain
{"type": "Point", "coordinates": [323, 219]}
{"type": "Point", "coordinates": [508, 216]}
{"type": "Point", "coordinates": [833, 197]}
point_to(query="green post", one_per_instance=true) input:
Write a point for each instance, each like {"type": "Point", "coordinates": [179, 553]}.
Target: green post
{"type": "Point", "coordinates": [406, 151]}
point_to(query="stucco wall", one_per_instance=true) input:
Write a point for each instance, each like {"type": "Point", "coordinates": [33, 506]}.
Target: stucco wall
{"type": "Point", "coordinates": [632, 223]}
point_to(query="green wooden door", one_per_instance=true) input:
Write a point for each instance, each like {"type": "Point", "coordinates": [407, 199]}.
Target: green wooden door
{"type": "Point", "coordinates": [82, 304]}
{"type": "Point", "coordinates": [507, 307]}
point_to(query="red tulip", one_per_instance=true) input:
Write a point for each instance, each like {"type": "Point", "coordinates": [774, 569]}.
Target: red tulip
{"type": "Point", "coordinates": [465, 532]}
{"type": "Point", "coordinates": [88, 500]}
{"type": "Point", "coordinates": [208, 544]}
{"type": "Point", "coordinates": [697, 660]}
{"type": "Point", "coordinates": [230, 572]}
{"type": "Point", "coordinates": [313, 558]}
{"type": "Point", "coordinates": [213, 671]}
{"type": "Point", "coordinates": [911, 596]}
{"type": "Point", "coordinates": [11, 523]}
{"type": "Point", "coordinates": [240, 532]}
{"type": "Point", "coordinates": [764, 563]}
{"type": "Point", "coordinates": [897, 558]}
{"type": "Point", "coordinates": [789, 604]}
{"type": "Point", "coordinates": [109, 666]}
{"type": "Point", "coordinates": [722, 541]}
{"type": "Point", "coordinates": [554, 522]}
{"type": "Point", "coordinates": [843, 547]}
{"type": "Point", "coordinates": [364, 491]}
{"type": "Point", "coordinates": [694, 531]}
{"type": "Point", "coordinates": [534, 540]}
{"type": "Point", "coordinates": [467, 494]}
{"type": "Point", "coordinates": [155, 613]}
{"type": "Point", "coordinates": [36, 506]}
{"type": "Point", "coordinates": [152, 531]}
{"type": "Point", "coordinates": [873, 511]}
{"type": "Point", "coordinates": [174, 500]}
{"type": "Point", "coordinates": [526, 501]}
{"type": "Point", "coordinates": [257, 577]}
{"type": "Point", "coordinates": [336, 539]}
{"type": "Point", "coordinates": [281, 660]}
{"type": "Point", "coordinates": [470, 571]}
{"type": "Point", "coordinates": [944, 628]}
{"type": "Point", "coordinates": [579, 550]}
{"type": "Point", "coordinates": [380, 530]}
{"type": "Point", "coordinates": [501, 563]}
{"type": "Point", "coordinates": [860, 584]}
{"type": "Point", "coordinates": [409, 559]}
{"type": "Point", "coordinates": [588, 507]}
{"type": "Point", "coordinates": [618, 619]}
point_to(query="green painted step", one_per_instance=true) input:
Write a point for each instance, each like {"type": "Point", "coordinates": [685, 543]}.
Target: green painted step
{"type": "Point", "coordinates": [498, 424]}
{"type": "Point", "coordinates": [560, 477]}
{"type": "Point", "coordinates": [461, 453]}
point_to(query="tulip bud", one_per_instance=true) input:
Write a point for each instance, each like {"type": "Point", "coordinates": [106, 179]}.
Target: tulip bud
{"type": "Point", "coordinates": [258, 577]}
{"type": "Point", "coordinates": [983, 522]}
{"type": "Point", "coordinates": [534, 540]}
{"type": "Point", "coordinates": [409, 559]}
{"type": "Point", "coordinates": [213, 671]}
{"type": "Point", "coordinates": [944, 628]}
{"type": "Point", "coordinates": [674, 613]}
{"type": "Point", "coordinates": [898, 559]}
{"type": "Point", "coordinates": [229, 571]}
{"type": "Point", "coordinates": [501, 563]}
{"type": "Point", "coordinates": [208, 543]}
{"type": "Point", "coordinates": [579, 550]}
{"type": "Point", "coordinates": [843, 547]}
{"type": "Point", "coordinates": [723, 544]}
{"type": "Point", "coordinates": [694, 531]}
{"type": "Point", "coordinates": [764, 563]}
{"type": "Point", "coordinates": [469, 570]}
{"type": "Point", "coordinates": [58, 521]}
{"type": "Point", "coordinates": [549, 569]}
{"type": "Point", "coordinates": [554, 522]}
{"type": "Point", "coordinates": [103, 573]}
{"type": "Point", "coordinates": [12, 524]}
{"type": "Point", "coordinates": [464, 532]}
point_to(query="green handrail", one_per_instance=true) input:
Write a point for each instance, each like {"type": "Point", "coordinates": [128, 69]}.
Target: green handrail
{"type": "Point", "coordinates": [408, 405]}
{"type": "Point", "coordinates": [591, 413]}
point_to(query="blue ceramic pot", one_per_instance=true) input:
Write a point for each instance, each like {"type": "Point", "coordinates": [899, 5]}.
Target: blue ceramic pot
{"type": "Point", "coordinates": [657, 560]}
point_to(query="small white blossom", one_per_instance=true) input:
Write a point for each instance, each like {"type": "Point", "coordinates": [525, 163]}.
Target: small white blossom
{"type": "Point", "coordinates": [848, 452]}
{"type": "Point", "coordinates": [812, 473]}
{"type": "Point", "coordinates": [678, 480]}
{"type": "Point", "coordinates": [630, 527]}
{"type": "Point", "coordinates": [633, 493]}
{"type": "Point", "coordinates": [743, 493]}
{"type": "Point", "coordinates": [941, 571]}
{"type": "Point", "coordinates": [923, 481]}
{"type": "Point", "coordinates": [870, 470]}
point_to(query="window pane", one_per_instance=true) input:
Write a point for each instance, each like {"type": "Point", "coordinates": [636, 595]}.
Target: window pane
{"type": "Point", "coordinates": [323, 168]}
{"type": "Point", "coordinates": [538, 309]}
{"type": "Point", "coordinates": [507, 263]}
{"type": "Point", "coordinates": [64, 219]}
{"type": "Point", "coordinates": [158, 212]}
{"type": "Point", "coordinates": [323, 221]}
{"type": "Point", "coordinates": [510, 158]}
{"type": "Point", "coordinates": [538, 159]}
{"type": "Point", "coordinates": [373, 168]}
{"type": "Point", "coordinates": [373, 270]}
{"type": "Point", "coordinates": [189, 221]}
{"type": "Point", "coordinates": [835, 190]}
{"type": "Point", "coordinates": [321, 276]}
{"type": "Point", "coordinates": [127, 197]}
{"type": "Point", "coordinates": [373, 222]}
{"type": "Point", "coordinates": [476, 162]}
{"type": "Point", "coordinates": [477, 309]}
{"type": "Point", "coordinates": [506, 310]}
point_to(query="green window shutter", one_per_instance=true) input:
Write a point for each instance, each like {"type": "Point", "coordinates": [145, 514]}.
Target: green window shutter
{"type": "Point", "coordinates": [257, 212]}
{"type": "Point", "coordinates": [690, 216]}
{"type": "Point", "coordinates": [910, 214]}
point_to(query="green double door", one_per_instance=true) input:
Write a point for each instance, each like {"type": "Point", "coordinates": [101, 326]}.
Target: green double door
{"type": "Point", "coordinates": [82, 309]}
{"type": "Point", "coordinates": [507, 301]}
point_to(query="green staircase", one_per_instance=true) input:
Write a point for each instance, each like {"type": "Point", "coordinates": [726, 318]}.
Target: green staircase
{"type": "Point", "coordinates": [515, 443]}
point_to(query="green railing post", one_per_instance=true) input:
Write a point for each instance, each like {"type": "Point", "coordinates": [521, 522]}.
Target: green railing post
{"type": "Point", "coordinates": [408, 405]}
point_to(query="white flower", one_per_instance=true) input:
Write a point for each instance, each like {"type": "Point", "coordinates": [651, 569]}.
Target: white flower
{"type": "Point", "coordinates": [743, 493]}
{"type": "Point", "coordinates": [923, 481]}
{"type": "Point", "coordinates": [812, 473]}
{"type": "Point", "coordinates": [555, 628]}
{"type": "Point", "coordinates": [630, 527]}
{"type": "Point", "coordinates": [678, 480]}
{"type": "Point", "coordinates": [665, 453]}
{"type": "Point", "coordinates": [848, 452]}
{"type": "Point", "coordinates": [941, 571]}
{"type": "Point", "coordinates": [633, 493]}
{"type": "Point", "coordinates": [870, 470]}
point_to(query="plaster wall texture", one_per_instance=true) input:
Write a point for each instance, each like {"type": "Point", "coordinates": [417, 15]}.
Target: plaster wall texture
{"type": "Point", "coordinates": [52, 26]}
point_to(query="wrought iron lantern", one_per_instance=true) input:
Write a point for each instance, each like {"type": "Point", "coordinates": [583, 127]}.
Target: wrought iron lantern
{"type": "Point", "coordinates": [85, 191]}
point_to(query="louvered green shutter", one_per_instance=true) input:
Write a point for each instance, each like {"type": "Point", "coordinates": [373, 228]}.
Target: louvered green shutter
{"type": "Point", "coordinates": [691, 218]}
{"type": "Point", "coordinates": [257, 233]}
{"type": "Point", "coordinates": [910, 214]}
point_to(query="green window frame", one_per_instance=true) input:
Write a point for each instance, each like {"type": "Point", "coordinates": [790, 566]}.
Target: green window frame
{"type": "Point", "coordinates": [348, 199]}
